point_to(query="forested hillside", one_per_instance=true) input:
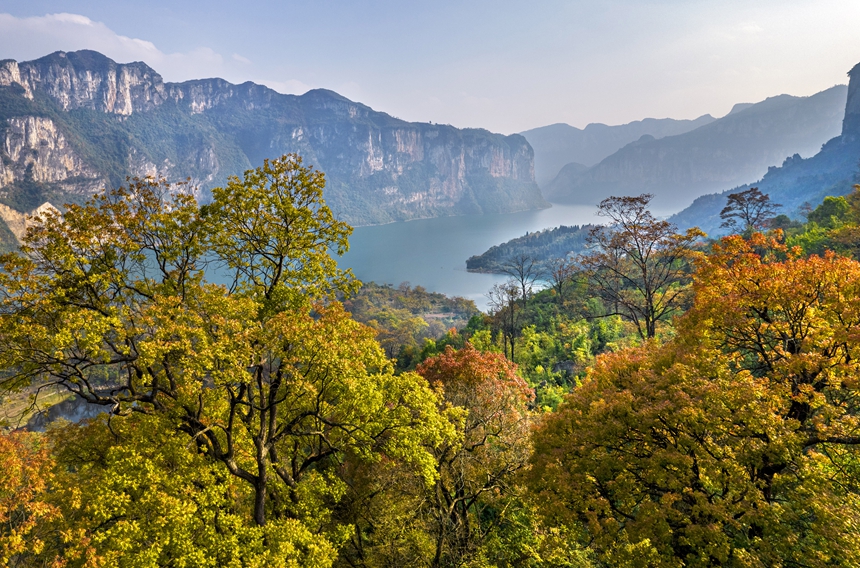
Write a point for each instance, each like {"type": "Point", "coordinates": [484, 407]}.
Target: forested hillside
{"type": "Point", "coordinates": [664, 402]}
{"type": "Point", "coordinates": [542, 246]}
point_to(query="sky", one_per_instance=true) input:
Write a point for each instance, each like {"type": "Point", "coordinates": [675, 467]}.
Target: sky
{"type": "Point", "coordinates": [503, 65]}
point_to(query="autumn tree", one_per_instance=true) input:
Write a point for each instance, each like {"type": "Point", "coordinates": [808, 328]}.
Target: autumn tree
{"type": "Point", "coordinates": [638, 265]}
{"type": "Point", "coordinates": [268, 377]}
{"type": "Point", "coordinates": [475, 471]}
{"type": "Point", "coordinates": [748, 211]}
{"type": "Point", "coordinates": [27, 475]}
{"type": "Point", "coordinates": [734, 444]}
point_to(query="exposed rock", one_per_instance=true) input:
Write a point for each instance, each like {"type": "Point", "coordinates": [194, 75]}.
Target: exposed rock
{"type": "Point", "coordinates": [36, 144]}
{"type": "Point", "coordinates": [79, 122]}
{"type": "Point", "coordinates": [832, 171]}
{"type": "Point", "coordinates": [19, 222]}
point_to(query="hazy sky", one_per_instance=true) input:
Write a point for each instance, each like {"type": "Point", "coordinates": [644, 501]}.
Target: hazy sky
{"type": "Point", "coordinates": [497, 64]}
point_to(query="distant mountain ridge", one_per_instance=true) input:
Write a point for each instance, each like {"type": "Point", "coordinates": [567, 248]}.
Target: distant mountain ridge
{"type": "Point", "coordinates": [832, 171]}
{"type": "Point", "coordinates": [723, 153]}
{"type": "Point", "coordinates": [559, 144]}
{"type": "Point", "coordinates": [74, 123]}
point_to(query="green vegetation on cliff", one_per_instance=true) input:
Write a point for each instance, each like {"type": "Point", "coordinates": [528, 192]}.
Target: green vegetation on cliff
{"type": "Point", "coordinates": [542, 246]}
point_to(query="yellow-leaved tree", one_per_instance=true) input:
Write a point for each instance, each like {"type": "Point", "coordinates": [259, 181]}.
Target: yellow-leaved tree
{"type": "Point", "coordinates": [232, 408]}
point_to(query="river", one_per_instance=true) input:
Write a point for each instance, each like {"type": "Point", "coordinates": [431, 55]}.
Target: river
{"type": "Point", "coordinates": [432, 252]}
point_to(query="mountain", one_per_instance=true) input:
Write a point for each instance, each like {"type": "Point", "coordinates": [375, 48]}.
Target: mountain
{"type": "Point", "coordinates": [832, 171]}
{"type": "Point", "coordinates": [559, 144]}
{"type": "Point", "coordinates": [74, 123]}
{"type": "Point", "coordinates": [727, 152]}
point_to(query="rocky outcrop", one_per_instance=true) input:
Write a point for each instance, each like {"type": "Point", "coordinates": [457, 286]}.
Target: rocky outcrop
{"type": "Point", "coordinates": [34, 146]}
{"type": "Point", "coordinates": [77, 122]}
{"type": "Point", "coordinates": [89, 80]}
{"type": "Point", "coordinates": [798, 181]}
{"type": "Point", "coordinates": [851, 122]}
{"type": "Point", "coordinates": [19, 222]}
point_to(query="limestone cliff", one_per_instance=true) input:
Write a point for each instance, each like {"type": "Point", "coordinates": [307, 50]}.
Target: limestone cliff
{"type": "Point", "coordinates": [798, 181]}
{"type": "Point", "coordinates": [73, 123]}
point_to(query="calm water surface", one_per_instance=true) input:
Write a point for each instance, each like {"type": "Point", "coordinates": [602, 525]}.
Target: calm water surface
{"type": "Point", "coordinates": [432, 252]}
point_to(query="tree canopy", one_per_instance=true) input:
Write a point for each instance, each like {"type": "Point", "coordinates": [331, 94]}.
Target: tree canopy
{"type": "Point", "coordinates": [734, 444]}
{"type": "Point", "coordinates": [268, 378]}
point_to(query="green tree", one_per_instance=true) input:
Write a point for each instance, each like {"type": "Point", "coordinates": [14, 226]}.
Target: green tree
{"type": "Point", "coordinates": [268, 378]}
{"type": "Point", "coordinates": [832, 211]}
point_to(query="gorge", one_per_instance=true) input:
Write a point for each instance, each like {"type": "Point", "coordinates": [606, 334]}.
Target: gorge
{"type": "Point", "coordinates": [74, 123]}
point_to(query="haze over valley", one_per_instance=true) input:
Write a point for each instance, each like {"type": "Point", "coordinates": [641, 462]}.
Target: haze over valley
{"type": "Point", "coordinates": [485, 284]}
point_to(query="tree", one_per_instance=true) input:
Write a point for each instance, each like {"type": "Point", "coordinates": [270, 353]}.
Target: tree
{"type": "Point", "coordinates": [638, 264]}
{"type": "Point", "coordinates": [25, 510]}
{"type": "Point", "coordinates": [561, 274]}
{"type": "Point", "coordinates": [748, 211]}
{"type": "Point", "coordinates": [734, 444]}
{"type": "Point", "coordinates": [502, 299]}
{"type": "Point", "coordinates": [475, 471]}
{"type": "Point", "coordinates": [832, 211]}
{"type": "Point", "coordinates": [268, 378]}
{"type": "Point", "coordinates": [525, 270]}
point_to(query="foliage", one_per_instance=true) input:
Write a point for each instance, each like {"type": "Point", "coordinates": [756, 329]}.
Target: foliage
{"type": "Point", "coordinates": [638, 265]}
{"type": "Point", "coordinates": [404, 317]}
{"type": "Point", "coordinates": [734, 444]}
{"type": "Point", "coordinates": [748, 211]}
{"type": "Point", "coordinates": [832, 212]}
{"type": "Point", "coordinates": [132, 494]}
{"type": "Point", "coordinates": [269, 381]}
{"type": "Point", "coordinates": [24, 510]}
{"type": "Point", "coordinates": [474, 489]}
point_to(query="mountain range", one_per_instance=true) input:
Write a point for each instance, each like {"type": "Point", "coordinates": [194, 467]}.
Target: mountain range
{"type": "Point", "coordinates": [74, 123]}
{"type": "Point", "coordinates": [798, 181]}
{"type": "Point", "coordinates": [560, 145]}
{"type": "Point", "coordinates": [725, 152]}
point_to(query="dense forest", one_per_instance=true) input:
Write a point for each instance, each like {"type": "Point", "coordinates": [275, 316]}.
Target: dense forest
{"type": "Point", "coordinates": [543, 246]}
{"type": "Point", "coordinates": [664, 401]}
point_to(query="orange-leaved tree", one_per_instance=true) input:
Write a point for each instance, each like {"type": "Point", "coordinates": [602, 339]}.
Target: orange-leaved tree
{"type": "Point", "coordinates": [26, 478]}
{"type": "Point", "coordinates": [734, 444]}
{"type": "Point", "coordinates": [490, 405]}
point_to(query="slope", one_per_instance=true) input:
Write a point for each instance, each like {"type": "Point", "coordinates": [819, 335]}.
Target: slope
{"type": "Point", "coordinates": [727, 152]}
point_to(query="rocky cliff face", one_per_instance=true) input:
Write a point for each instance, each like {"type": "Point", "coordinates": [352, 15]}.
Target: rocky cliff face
{"type": "Point", "coordinates": [851, 122]}
{"type": "Point", "coordinates": [34, 146]}
{"type": "Point", "coordinates": [798, 181]}
{"type": "Point", "coordinates": [73, 123]}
